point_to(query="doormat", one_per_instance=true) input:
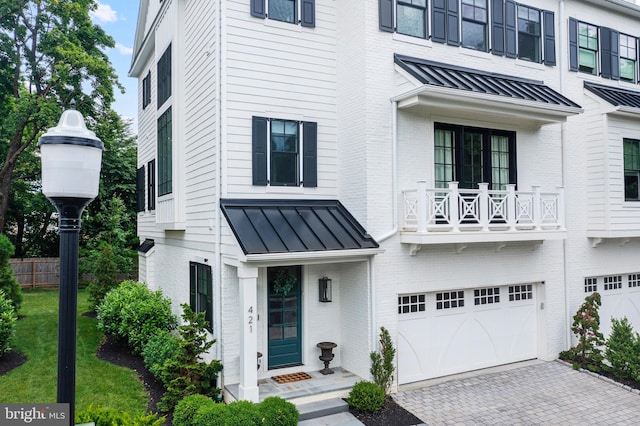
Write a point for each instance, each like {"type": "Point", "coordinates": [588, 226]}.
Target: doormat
{"type": "Point", "coordinates": [293, 377]}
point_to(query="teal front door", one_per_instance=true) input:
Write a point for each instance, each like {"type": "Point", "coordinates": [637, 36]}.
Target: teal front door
{"type": "Point", "coordinates": [284, 316]}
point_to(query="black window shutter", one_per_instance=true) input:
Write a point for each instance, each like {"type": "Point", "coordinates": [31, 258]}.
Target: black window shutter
{"type": "Point", "coordinates": [573, 45]}
{"type": "Point", "coordinates": [385, 10]}
{"type": "Point", "coordinates": [497, 25]}
{"type": "Point", "coordinates": [610, 59]}
{"type": "Point", "coordinates": [310, 154]}
{"type": "Point", "coordinates": [511, 30]}
{"type": "Point", "coordinates": [438, 21]}
{"type": "Point", "coordinates": [453, 37]}
{"type": "Point", "coordinates": [193, 285]}
{"type": "Point", "coordinates": [308, 13]}
{"type": "Point", "coordinates": [257, 8]}
{"type": "Point", "coordinates": [140, 189]}
{"type": "Point", "coordinates": [549, 38]}
{"type": "Point", "coordinates": [259, 150]}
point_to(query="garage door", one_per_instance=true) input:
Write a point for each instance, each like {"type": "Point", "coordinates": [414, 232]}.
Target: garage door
{"type": "Point", "coordinates": [449, 332]}
{"type": "Point", "coordinates": [620, 298]}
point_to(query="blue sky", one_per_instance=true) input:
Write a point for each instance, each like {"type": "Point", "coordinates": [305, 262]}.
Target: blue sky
{"type": "Point", "coordinates": [118, 18]}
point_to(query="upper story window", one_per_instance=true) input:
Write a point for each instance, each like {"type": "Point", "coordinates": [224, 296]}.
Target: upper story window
{"type": "Point", "coordinates": [474, 24]}
{"type": "Point", "coordinates": [587, 48]}
{"type": "Point", "coordinates": [146, 90]}
{"type": "Point", "coordinates": [165, 154]}
{"type": "Point", "coordinates": [604, 51]}
{"type": "Point", "coordinates": [628, 58]}
{"type": "Point", "coordinates": [201, 290]}
{"type": "Point", "coordinates": [151, 185]}
{"type": "Point", "coordinates": [293, 11]}
{"type": "Point", "coordinates": [164, 77]}
{"type": "Point", "coordinates": [284, 152]}
{"type": "Point", "coordinates": [529, 43]}
{"type": "Point", "coordinates": [412, 17]}
{"type": "Point", "coordinates": [140, 189]}
{"type": "Point", "coordinates": [631, 169]}
{"type": "Point", "coordinates": [471, 155]}
{"type": "Point", "coordinates": [502, 27]}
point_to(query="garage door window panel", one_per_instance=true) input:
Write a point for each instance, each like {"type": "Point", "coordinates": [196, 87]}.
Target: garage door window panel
{"type": "Point", "coordinates": [613, 282]}
{"type": "Point", "coordinates": [411, 303]}
{"type": "Point", "coordinates": [634, 280]}
{"type": "Point", "coordinates": [484, 296]}
{"type": "Point", "coordinates": [450, 300]}
{"type": "Point", "coordinates": [590, 285]}
{"type": "Point", "coordinates": [520, 292]}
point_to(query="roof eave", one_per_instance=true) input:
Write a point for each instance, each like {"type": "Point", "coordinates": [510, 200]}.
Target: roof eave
{"type": "Point", "coordinates": [445, 98]}
{"type": "Point", "coordinates": [325, 256]}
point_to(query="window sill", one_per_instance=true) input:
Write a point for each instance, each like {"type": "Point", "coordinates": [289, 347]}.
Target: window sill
{"type": "Point", "coordinates": [631, 204]}
{"type": "Point", "coordinates": [528, 64]}
{"type": "Point", "coordinates": [475, 53]}
{"type": "Point", "coordinates": [284, 189]}
{"type": "Point", "coordinates": [413, 40]}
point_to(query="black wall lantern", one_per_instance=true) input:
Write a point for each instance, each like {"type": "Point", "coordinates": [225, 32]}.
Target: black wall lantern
{"type": "Point", "coordinates": [324, 289]}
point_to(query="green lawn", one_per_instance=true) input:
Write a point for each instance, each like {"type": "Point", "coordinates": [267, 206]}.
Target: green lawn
{"type": "Point", "coordinates": [97, 382]}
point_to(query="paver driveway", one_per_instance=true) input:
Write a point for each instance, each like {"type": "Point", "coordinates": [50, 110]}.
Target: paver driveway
{"type": "Point", "coordinates": [538, 393]}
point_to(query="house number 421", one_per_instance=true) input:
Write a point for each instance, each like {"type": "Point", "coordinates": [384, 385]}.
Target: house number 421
{"type": "Point", "coordinates": [250, 319]}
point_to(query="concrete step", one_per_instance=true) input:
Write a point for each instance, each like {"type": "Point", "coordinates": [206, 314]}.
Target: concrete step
{"type": "Point", "coordinates": [322, 408]}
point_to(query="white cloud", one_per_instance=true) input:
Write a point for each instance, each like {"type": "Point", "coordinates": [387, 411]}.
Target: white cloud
{"type": "Point", "coordinates": [123, 50]}
{"type": "Point", "coordinates": [104, 13]}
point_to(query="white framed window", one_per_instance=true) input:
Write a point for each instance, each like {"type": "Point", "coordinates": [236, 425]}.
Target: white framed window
{"type": "Point", "coordinates": [484, 296]}
{"type": "Point", "coordinates": [450, 300]}
{"type": "Point", "coordinates": [590, 284]}
{"type": "Point", "coordinates": [412, 303]}
{"type": "Point", "coordinates": [612, 282]}
{"type": "Point", "coordinates": [520, 292]}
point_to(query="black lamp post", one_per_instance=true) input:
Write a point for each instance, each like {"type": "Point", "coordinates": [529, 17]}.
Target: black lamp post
{"type": "Point", "coordinates": [71, 158]}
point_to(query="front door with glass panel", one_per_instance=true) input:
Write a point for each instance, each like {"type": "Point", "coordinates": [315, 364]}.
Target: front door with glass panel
{"type": "Point", "coordinates": [284, 319]}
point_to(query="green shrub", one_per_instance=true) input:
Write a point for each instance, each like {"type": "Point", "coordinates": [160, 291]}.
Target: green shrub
{"type": "Point", "coordinates": [7, 323]}
{"type": "Point", "coordinates": [242, 413]}
{"type": "Point", "coordinates": [186, 373]}
{"type": "Point", "coordinates": [160, 348]}
{"type": "Point", "coordinates": [623, 350]}
{"type": "Point", "coordinates": [8, 283]}
{"type": "Point", "coordinates": [366, 396]}
{"type": "Point", "coordinates": [275, 411]}
{"type": "Point", "coordinates": [186, 409]}
{"type": "Point", "coordinates": [134, 313]}
{"type": "Point", "coordinates": [112, 417]}
{"type": "Point", "coordinates": [105, 273]}
{"type": "Point", "coordinates": [382, 362]}
{"type": "Point", "coordinates": [211, 414]}
{"type": "Point", "coordinates": [586, 326]}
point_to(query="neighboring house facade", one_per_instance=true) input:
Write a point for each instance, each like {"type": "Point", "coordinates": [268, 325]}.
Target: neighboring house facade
{"type": "Point", "coordinates": [461, 172]}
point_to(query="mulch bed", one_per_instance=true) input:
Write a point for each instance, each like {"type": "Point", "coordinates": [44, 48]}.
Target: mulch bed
{"type": "Point", "coordinates": [10, 360]}
{"type": "Point", "coordinates": [391, 414]}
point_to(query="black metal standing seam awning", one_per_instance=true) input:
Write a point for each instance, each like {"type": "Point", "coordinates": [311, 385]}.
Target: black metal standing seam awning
{"type": "Point", "coordinates": [616, 96]}
{"type": "Point", "coordinates": [284, 226]}
{"type": "Point", "coordinates": [146, 245]}
{"type": "Point", "coordinates": [454, 77]}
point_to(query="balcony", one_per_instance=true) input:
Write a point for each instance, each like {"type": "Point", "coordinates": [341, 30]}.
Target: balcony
{"type": "Point", "coordinates": [464, 216]}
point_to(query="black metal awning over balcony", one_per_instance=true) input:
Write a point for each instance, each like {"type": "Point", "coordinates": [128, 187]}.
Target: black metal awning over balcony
{"type": "Point", "coordinates": [287, 226]}
{"type": "Point", "coordinates": [464, 89]}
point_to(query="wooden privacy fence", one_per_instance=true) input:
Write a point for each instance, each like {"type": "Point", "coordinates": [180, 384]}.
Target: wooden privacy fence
{"type": "Point", "coordinates": [39, 272]}
{"type": "Point", "coordinates": [44, 272]}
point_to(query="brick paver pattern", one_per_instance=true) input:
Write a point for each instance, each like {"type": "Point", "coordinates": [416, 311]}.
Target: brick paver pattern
{"type": "Point", "coordinates": [546, 393]}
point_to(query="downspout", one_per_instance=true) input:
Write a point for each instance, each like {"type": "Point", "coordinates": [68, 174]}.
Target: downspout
{"type": "Point", "coordinates": [394, 174]}
{"type": "Point", "coordinates": [563, 76]}
{"type": "Point", "coordinates": [218, 161]}
{"type": "Point", "coordinates": [372, 300]}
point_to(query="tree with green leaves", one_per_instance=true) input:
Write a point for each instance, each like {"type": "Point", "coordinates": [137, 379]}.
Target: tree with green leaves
{"type": "Point", "coordinates": [50, 53]}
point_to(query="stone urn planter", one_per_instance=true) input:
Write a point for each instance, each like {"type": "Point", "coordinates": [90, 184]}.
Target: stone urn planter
{"type": "Point", "coordinates": [326, 356]}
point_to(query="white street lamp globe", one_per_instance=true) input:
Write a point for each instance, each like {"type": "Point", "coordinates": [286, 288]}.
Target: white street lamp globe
{"type": "Point", "coordinates": [71, 158]}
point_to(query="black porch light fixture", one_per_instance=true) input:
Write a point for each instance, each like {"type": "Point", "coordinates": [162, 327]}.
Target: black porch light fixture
{"type": "Point", "coordinates": [71, 158]}
{"type": "Point", "coordinates": [324, 289]}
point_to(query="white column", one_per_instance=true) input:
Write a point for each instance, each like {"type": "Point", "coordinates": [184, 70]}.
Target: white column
{"type": "Point", "coordinates": [248, 282]}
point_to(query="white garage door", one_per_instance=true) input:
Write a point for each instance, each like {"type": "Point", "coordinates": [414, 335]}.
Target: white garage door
{"type": "Point", "coordinates": [449, 332]}
{"type": "Point", "coordinates": [620, 298]}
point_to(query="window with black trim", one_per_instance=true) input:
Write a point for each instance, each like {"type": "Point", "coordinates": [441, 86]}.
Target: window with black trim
{"type": "Point", "coordinates": [146, 90]}
{"type": "Point", "coordinates": [164, 77]}
{"type": "Point", "coordinates": [140, 189]}
{"type": "Point", "coordinates": [471, 155]}
{"type": "Point", "coordinates": [165, 160]}
{"type": "Point", "coordinates": [529, 42]}
{"type": "Point", "coordinates": [201, 290]}
{"type": "Point", "coordinates": [292, 11]}
{"type": "Point", "coordinates": [412, 18]}
{"type": "Point", "coordinates": [151, 185]}
{"type": "Point", "coordinates": [284, 152]}
{"type": "Point", "coordinates": [475, 18]}
{"type": "Point", "coordinates": [631, 169]}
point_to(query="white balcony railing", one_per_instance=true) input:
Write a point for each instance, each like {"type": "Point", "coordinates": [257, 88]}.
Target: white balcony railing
{"type": "Point", "coordinates": [453, 210]}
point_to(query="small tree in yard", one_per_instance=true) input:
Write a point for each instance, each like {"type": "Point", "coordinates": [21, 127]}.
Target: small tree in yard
{"type": "Point", "coordinates": [8, 283]}
{"type": "Point", "coordinates": [186, 374]}
{"type": "Point", "coordinates": [105, 276]}
{"type": "Point", "coordinates": [382, 362]}
{"type": "Point", "coordinates": [623, 350]}
{"type": "Point", "coordinates": [586, 327]}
